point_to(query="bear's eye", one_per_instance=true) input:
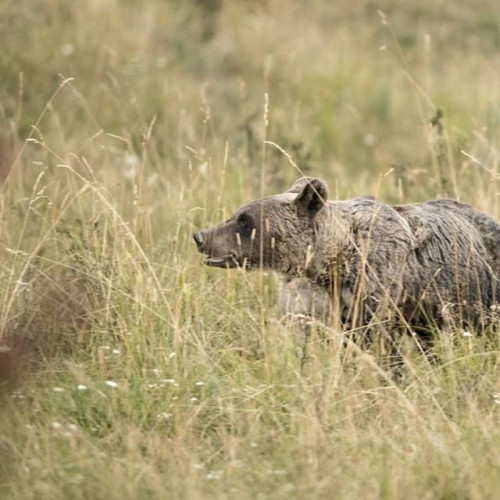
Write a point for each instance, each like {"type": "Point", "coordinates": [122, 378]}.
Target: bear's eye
{"type": "Point", "coordinates": [245, 224]}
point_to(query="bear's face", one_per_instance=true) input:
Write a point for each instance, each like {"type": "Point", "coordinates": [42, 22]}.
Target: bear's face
{"type": "Point", "coordinates": [272, 233]}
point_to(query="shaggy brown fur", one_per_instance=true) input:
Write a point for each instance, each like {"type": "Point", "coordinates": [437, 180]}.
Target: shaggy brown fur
{"type": "Point", "coordinates": [300, 298]}
{"type": "Point", "coordinates": [423, 263]}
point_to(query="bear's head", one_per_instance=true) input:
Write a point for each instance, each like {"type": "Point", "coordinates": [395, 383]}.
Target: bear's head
{"type": "Point", "coordinates": [275, 233]}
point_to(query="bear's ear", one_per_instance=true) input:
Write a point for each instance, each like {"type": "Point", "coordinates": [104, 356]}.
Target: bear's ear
{"type": "Point", "coordinates": [312, 195]}
{"type": "Point", "coordinates": [299, 184]}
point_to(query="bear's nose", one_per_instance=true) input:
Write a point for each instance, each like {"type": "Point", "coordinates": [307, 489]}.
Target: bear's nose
{"type": "Point", "coordinates": [199, 239]}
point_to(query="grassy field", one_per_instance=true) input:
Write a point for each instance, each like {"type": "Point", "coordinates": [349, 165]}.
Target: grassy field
{"type": "Point", "coordinates": [128, 369]}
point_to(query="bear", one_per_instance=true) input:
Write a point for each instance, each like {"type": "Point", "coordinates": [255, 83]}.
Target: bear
{"type": "Point", "coordinates": [485, 224]}
{"type": "Point", "coordinates": [299, 298]}
{"type": "Point", "coordinates": [422, 264]}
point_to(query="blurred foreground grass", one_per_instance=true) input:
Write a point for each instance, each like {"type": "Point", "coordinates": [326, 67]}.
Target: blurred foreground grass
{"type": "Point", "coordinates": [132, 371]}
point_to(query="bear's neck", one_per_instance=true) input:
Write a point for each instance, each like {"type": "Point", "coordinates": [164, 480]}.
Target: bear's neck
{"type": "Point", "coordinates": [331, 247]}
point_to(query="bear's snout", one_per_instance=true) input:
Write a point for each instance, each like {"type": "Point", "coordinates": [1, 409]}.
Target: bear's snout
{"type": "Point", "coordinates": [198, 238]}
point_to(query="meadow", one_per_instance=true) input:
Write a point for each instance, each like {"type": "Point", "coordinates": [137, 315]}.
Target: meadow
{"type": "Point", "coordinates": [128, 369]}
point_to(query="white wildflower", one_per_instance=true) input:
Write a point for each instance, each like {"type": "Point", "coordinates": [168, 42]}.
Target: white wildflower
{"type": "Point", "coordinates": [370, 140]}
{"type": "Point", "coordinates": [58, 389]}
{"type": "Point", "coordinates": [277, 472]}
{"type": "Point", "coordinates": [81, 387]}
{"type": "Point", "coordinates": [111, 383]}
{"type": "Point", "coordinates": [164, 416]}
{"type": "Point", "coordinates": [131, 162]}
{"type": "Point", "coordinates": [200, 383]}
{"type": "Point", "coordinates": [467, 334]}
{"type": "Point", "coordinates": [203, 169]}
{"type": "Point", "coordinates": [131, 173]}
{"type": "Point", "coordinates": [214, 474]}
{"type": "Point", "coordinates": [67, 49]}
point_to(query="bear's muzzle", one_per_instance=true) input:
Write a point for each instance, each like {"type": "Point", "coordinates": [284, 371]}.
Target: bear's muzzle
{"type": "Point", "coordinates": [225, 261]}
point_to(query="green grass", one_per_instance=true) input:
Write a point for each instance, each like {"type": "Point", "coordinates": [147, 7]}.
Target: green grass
{"type": "Point", "coordinates": [125, 126]}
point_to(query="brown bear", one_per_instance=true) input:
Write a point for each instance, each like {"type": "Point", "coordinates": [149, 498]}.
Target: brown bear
{"type": "Point", "coordinates": [421, 264]}
{"type": "Point", "coordinates": [301, 299]}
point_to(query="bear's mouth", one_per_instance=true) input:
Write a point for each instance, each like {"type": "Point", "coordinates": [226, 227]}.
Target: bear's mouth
{"type": "Point", "coordinates": [226, 262]}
